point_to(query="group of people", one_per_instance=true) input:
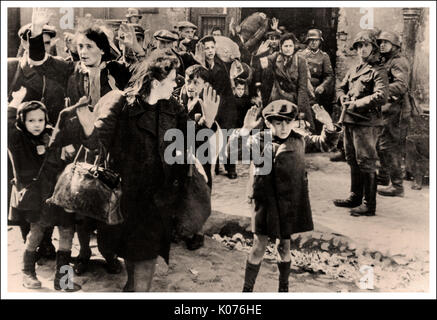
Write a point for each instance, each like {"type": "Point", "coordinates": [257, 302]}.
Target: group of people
{"type": "Point", "coordinates": [124, 93]}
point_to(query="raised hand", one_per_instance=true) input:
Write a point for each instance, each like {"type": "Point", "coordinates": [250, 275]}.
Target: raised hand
{"type": "Point", "coordinates": [323, 116]}
{"type": "Point", "coordinates": [210, 104]}
{"type": "Point", "coordinates": [250, 120]}
{"type": "Point", "coordinates": [275, 23]}
{"type": "Point", "coordinates": [40, 17]}
{"type": "Point", "coordinates": [264, 47]}
{"type": "Point", "coordinates": [319, 90]}
{"type": "Point", "coordinates": [199, 55]}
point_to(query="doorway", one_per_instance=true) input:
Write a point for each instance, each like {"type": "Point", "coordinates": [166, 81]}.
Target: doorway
{"type": "Point", "coordinates": [300, 20]}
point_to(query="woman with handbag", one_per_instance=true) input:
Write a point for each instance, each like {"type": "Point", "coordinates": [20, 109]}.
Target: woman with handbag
{"type": "Point", "coordinates": [132, 126]}
{"type": "Point", "coordinates": [27, 144]}
{"type": "Point", "coordinates": [95, 74]}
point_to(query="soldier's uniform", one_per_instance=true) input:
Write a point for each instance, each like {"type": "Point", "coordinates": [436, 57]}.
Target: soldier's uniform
{"type": "Point", "coordinates": [394, 117]}
{"type": "Point", "coordinates": [367, 85]}
{"type": "Point", "coordinates": [321, 70]}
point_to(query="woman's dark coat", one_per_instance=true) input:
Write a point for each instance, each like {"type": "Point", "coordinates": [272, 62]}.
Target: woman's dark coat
{"type": "Point", "coordinates": [134, 135]}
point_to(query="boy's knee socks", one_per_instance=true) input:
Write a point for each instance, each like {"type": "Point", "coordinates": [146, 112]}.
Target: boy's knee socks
{"type": "Point", "coordinates": [250, 276]}
{"type": "Point", "coordinates": [284, 273]}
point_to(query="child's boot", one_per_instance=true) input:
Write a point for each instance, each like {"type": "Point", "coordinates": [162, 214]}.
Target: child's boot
{"type": "Point", "coordinates": [250, 276]}
{"type": "Point", "coordinates": [130, 283]}
{"type": "Point", "coordinates": [284, 273]}
{"type": "Point", "coordinates": [63, 259]}
{"type": "Point", "coordinates": [30, 280]}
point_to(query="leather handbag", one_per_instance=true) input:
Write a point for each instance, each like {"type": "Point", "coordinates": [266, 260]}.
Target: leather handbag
{"type": "Point", "coordinates": [89, 189]}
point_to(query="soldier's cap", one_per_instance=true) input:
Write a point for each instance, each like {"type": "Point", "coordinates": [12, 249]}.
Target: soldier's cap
{"type": "Point", "coordinates": [314, 34]}
{"type": "Point", "coordinates": [273, 33]}
{"type": "Point", "coordinates": [47, 29]}
{"type": "Point", "coordinates": [165, 35]}
{"type": "Point", "coordinates": [133, 12]}
{"type": "Point", "coordinates": [390, 36]}
{"type": "Point", "coordinates": [280, 109]}
{"type": "Point", "coordinates": [365, 36]}
{"type": "Point", "coordinates": [186, 24]}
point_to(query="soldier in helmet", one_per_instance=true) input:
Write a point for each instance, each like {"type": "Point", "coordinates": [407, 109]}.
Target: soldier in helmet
{"type": "Point", "coordinates": [322, 76]}
{"type": "Point", "coordinates": [361, 94]}
{"type": "Point", "coordinates": [133, 16]}
{"type": "Point", "coordinates": [389, 144]}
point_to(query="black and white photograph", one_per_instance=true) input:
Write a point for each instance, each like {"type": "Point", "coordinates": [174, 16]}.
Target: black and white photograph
{"type": "Point", "coordinates": [218, 149]}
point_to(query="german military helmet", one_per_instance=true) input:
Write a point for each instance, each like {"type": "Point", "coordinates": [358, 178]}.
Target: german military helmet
{"type": "Point", "coordinates": [47, 29]}
{"type": "Point", "coordinates": [280, 109]}
{"type": "Point", "coordinates": [133, 12]}
{"type": "Point", "coordinates": [365, 36]}
{"type": "Point", "coordinates": [391, 37]}
{"type": "Point", "coordinates": [314, 34]}
{"type": "Point", "coordinates": [165, 35]}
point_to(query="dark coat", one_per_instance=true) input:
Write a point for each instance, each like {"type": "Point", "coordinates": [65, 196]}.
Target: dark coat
{"type": "Point", "coordinates": [227, 115]}
{"type": "Point", "coordinates": [134, 135]}
{"type": "Point", "coordinates": [289, 81]}
{"type": "Point", "coordinates": [320, 69]}
{"type": "Point", "coordinates": [367, 84]}
{"type": "Point", "coordinates": [398, 71]}
{"type": "Point", "coordinates": [32, 80]}
{"type": "Point", "coordinates": [22, 148]}
{"type": "Point", "coordinates": [280, 199]}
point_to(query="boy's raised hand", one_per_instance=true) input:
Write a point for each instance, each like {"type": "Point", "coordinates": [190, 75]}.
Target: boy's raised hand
{"type": "Point", "coordinates": [210, 104]}
{"type": "Point", "coordinates": [40, 17]}
{"type": "Point", "coordinates": [250, 120]}
{"type": "Point", "coordinates": [323, 116]}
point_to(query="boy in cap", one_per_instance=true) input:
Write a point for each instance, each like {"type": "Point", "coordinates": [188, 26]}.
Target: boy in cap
{"type": "Point", "coordinates": [187, 39]}
{"type": "Point", "coordinates": [279, 196]}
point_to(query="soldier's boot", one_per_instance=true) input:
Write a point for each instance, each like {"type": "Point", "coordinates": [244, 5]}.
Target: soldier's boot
{"type": "Point", "coordinates": [250, 276]}
{"type": "Point", "coordinates": [63, 259]}
{"type": "Point", "coordinates": [30, 280]}
{"type": "Point", "coordinates": [284, 273]}
{"type": "Point", "coordinates": [396, 188]}
{"type": "Point", "coordinates": [356, 196]}
{"type": "Point", "coordinates": [418, 182]}
{"type": "Point", "coordinates": [368, 207]}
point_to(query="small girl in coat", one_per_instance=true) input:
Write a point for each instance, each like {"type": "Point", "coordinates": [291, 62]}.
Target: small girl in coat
{"type": "Point", "coordinates": [27, 142]}
{"type": "Point", "coordinates": [279, 196]}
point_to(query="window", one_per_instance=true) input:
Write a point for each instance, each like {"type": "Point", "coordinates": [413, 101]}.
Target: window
{"type": "Point", "coordinates": [208, 22]}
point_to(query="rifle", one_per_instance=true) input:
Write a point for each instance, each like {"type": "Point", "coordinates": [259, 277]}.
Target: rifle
{"type": "Point", "coordinates": [344, 110]}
